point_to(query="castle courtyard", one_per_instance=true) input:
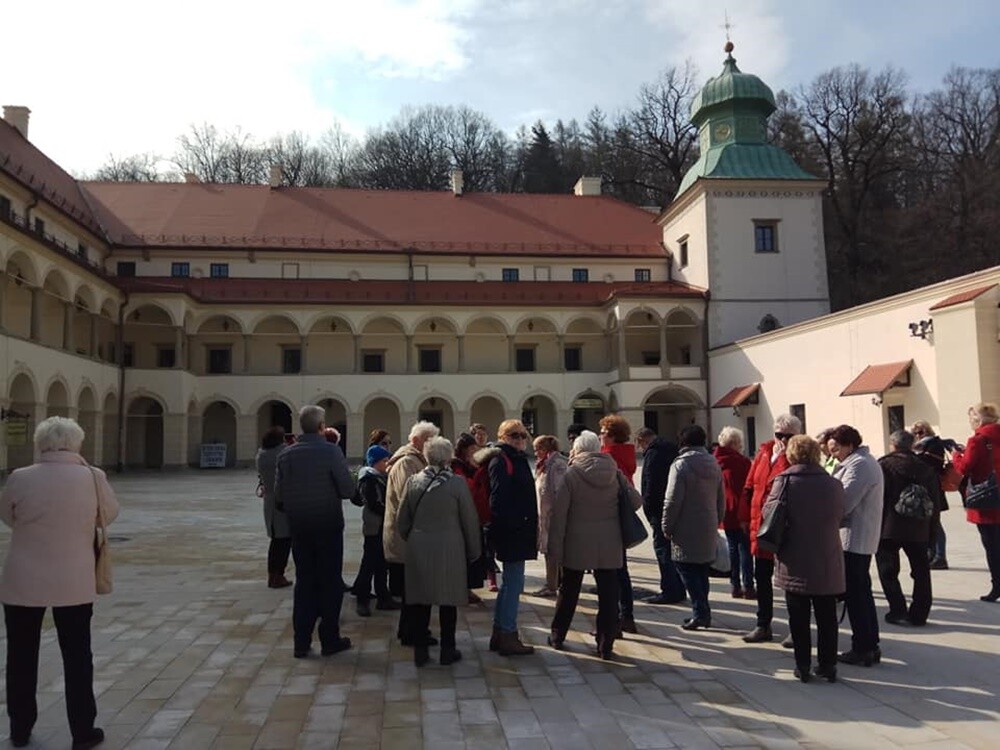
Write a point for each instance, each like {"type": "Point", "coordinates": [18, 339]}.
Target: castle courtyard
{"type": "Point", "coordinates": [194, 651]}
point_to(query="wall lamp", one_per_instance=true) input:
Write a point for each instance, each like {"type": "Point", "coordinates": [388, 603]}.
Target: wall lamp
{"type": "Point", "coordinates": [921, 329]}
{"type": "Point", "coordinates": [877, 400]}
{"type": "Point", "coordinates": [736, 411]}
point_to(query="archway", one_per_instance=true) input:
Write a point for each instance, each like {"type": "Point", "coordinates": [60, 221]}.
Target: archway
{"type": "Point", "coordinates": [16, 301]}
{"type": "Point", "coordinates": [536, 346]}
{"type": "Point", "coordinates": [684, 339]}
{"type": "Point", "coordinates": [150, 338]}
{"type": "Point", "coordinates": [275, 414]}
{"type": "Point", "coordinates": [336, 417]}
{"type": "Point", "coordinates": [87, 419]}
{"type": "Point", "coordinates": [109, 448]}
{"type": "Point", "coordinates": [217, 348]}
{"type": "Point", "coordinates": [383, 347]}
{"type": "Point", "coordinates": [383, 414]}
{"type": "Point", "coordinates": [586, 346]}
{"type": "Point", "coordinates": [538, 413]}
{"type": "Point", "coordinates": [85, 330]}
{"type": "Point", "coordinates": [668, 410]}
{"type": "Point", "coordinates": [588, 408]}
{"type": "Point", "coordinates": [144, 434]}
{"type": "Point", "coordinates": [486, 348]}
{"type": "Point", "coordinates": [57, 400]}
{"type": "Point", "coordinates": [438, 410]}
{"type": "Point", "coordinates": [489, 412]}
{"type": "Point", "coordinates": [276, 347]}
{"type": "Point", "coordinates": [21, 425]}
{"type": "Point", "coordinates": [218, 426]}
{"type": "Point", "coordinates": [193, 433]}
{"type": "Point", "coordinates": [55, 298]}
{"type": "Point", "coordinates": [330, 347]}
{"type": "Point", "coordinates": [435, 342]}
{"type": "Point", "coordinates": [642, 338]}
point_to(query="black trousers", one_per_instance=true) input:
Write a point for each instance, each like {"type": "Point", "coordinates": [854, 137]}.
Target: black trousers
{"type": "Point", "coordinates": [825, 609]}
{"type": "Point", "coordinates": [397, 587]}
{"type": "Point", "coordinates": [420, 621]}
{"type": "Point", "coordinates": [319, 583]}
{"type": "Point", "coordinates": [763, 572]}
{"type": "Point", "coordinates": [24, 631]}
{"type": "Point", "coordinates": [989, 534]}
{"type": "Point", "coordinates": [861, 602]}
{"type": "Point", "coordinates": [373, 567]}
{"type": "Point", "coordinates": [277, 555]}
{"type": "Point", "coordinates": [607, 604]}
{"type": "Point", "coordinates": [887, 563]}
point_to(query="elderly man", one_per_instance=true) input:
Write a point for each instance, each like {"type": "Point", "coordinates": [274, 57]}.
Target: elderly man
{"type": "Point", "coordinates": [909, 482]}
{"type": "Point", "coordinates": [406, 462]}
{"type": "Point", "coordinates": [310, 481]}
{"type": "Point", "coordinates": [657, 455]}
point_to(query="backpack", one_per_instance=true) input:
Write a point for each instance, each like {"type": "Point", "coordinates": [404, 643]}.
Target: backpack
{"type": "Point", "coordinates": [481, 487]}
{"type": "Point", "coordinates": [915, 502]}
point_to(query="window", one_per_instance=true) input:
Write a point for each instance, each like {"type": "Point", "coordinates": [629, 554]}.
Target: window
{"type": "Point", "coordinates": [751, 447]}
{"type": "Point", "coordinates": [524, 359]}
{"type": "Point", "coordinates": [220, 361]}
{"type": "Point", "coordinates": [166, 357]}
{"type": "Point", "coordinates": [291, 360]}
{"type": "Point", "coordinates": [643, 274]}
{"type": "Point", "coordinates": [81, 250]}
{"type": "Point", "coordinates": [799, 410]}
{"type": "Point", "coordinates": [5, 208]}
{"type": "Point", "coordinates": [897, 418]}
{"type": "Point", "coordinates": [573, 358]}
{"type": "Point", "coordinates": [289, 270]}
{"type": "Point", "coordinates": [128, 355]}
{"type": "Point", "coordinates": [685, 352]}
{"type": "Point", "coordinates": [651, 359]}
{"type": "Point", "coordinates": [182, 270]}
{"type": "Point", "coordinates": [581, 275]}
{"type": "Point", "coordinates": [39, 226]}
{"type": "Point", "coordinates": [765, 236]}
{"type": "Point", "coordinates": [219, 270]}
{"type": "Point", "coordinates": [373, 362]}
{"type": "Point", "coordinates": [511, 274]}
{"type": "Point", "coordinates": [125, 268]}
{"type": "Point", "coordinates": [682, 253]}
{"type": "Point", "coordinates": [430, 359]}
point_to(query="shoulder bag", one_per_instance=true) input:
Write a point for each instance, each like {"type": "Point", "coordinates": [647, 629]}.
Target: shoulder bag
{"type": "Point", "coordinates": [984, 495]}
{"type": "Point", "coordinates": [774, 523]}
{"type": "Point", "coordinates": [102, 552]}
{"type": "Point", "coordinates": [633, 529]}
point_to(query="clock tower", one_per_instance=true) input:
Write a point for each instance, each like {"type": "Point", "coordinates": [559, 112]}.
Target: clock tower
{"type": "Point", "coordinates": [747, 221]}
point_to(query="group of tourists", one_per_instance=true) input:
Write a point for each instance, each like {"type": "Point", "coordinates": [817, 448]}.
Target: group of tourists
{"type": "Point", "coordinates": [807, 514]}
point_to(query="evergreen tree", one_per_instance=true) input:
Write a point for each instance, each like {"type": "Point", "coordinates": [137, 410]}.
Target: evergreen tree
{"type": "Point", "coordinates": [542, 171]}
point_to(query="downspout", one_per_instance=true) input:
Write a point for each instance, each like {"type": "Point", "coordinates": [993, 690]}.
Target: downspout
{"type": "Point", "coordinates": [670, 261]}
{"type": "Point", "coordinates": [120, 356]}
{"type": "Point", "coordinates": [27, 210]}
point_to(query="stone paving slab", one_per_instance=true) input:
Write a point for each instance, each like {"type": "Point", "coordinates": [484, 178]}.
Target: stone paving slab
{"type": "Point", "coordinates": [193, 651]}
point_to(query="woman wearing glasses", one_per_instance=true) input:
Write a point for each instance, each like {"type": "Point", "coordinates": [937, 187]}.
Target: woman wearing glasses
{"type": "Point", "coordinates": [513, 531]}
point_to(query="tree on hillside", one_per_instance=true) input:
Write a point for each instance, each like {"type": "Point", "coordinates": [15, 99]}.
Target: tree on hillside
{"type": "Point", "coordinates": [542, 171]}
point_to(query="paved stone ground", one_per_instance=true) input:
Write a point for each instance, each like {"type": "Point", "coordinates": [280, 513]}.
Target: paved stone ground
{"type": "Point", "coordinates": [193, 651]}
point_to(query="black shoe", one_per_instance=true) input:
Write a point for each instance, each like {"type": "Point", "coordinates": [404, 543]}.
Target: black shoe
{"type": "Point", "coordinates": [364, 609]}
{"type": "Point", "coordinates": [992, 596]}
{"type": "Point", "coordinates": [302, 653]}
{"type": "Point", "coordinates": [895, 618]}
{"type": "Point", "coordinates": [627, 625]}
{"type": "Point", "coordinates": [429, 640]}
{"type": "Point", "coordinates": [826, 673]}
{"type": "Point", "coordinates": [421, 656]}
{"type": "Point", "coordinates": [939, 563]}
{"type": "Point", "coordinates": [759, 634]}
{"type": "Point", "coordinates": [695, 623]}
{"type": "Point", "coordinates": [858, 658]}
{"type": "Point", "coordinates": [663, 599]}
{"type": "Point", "coordinates": [788, 642]}
{"type": "Point", "coordinates": [802, 674]}
{"type": "Point", "coordinates": [555, 641]}
{"type": "Point", "coordinates": [449, 656]}
{"type": "Point", "coordinates": [340, 644]}
{"type": "Point", "coordinates": [388, 604]}
{"type": "Point", "coordinates": [20, 740]}
{"type": "Point", "coordinates": [93, 739]}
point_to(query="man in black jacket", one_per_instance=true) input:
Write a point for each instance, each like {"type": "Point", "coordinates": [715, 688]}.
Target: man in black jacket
{"type": "Point", "coordinates": [658, 453]}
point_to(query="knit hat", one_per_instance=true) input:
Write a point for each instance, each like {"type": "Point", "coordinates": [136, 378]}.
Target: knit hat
{"type": "Point", "coordinates": [375, 454]}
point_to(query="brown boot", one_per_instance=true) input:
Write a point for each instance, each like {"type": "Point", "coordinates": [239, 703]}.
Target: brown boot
{"type": "Point", "coordinates": [277, 582]}
{"type": "Point", "coordinates": [509, 644]}
{"type": "Point", "coordinates": [495, 638]}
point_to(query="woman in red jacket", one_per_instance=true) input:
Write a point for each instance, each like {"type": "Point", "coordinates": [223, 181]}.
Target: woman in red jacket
{"type": "Point", "coordinates": [980, 457]}
{"type": "Point", "coordinates": [735, 468]}
{"type": "Point", "coordinates": [615, 434]}
{"type": "Point", "coordinates": [769, 463]}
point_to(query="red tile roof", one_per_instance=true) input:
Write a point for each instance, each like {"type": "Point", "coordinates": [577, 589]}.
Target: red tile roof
{"type": "Point", "coordinates": [434, 223]}
{"type": "Point", "coordinates": [453, 293]}
{"type": "Point", "coordinates": [24, 163]}
{"type": "Point", "coordinates": [877, 378]}
{"type": "Point", "coordinates": [737, 396]}
{"type": "Point", "coordinates": [957, 299]}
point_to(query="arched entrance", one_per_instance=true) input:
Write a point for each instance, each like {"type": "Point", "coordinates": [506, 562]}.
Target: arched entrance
{"type": "Point", "coordinates": [642, 338]}
{"type": "Point", "coordinates": [489, 412]}
{"type": "Point", "coordinates": [588, 408]}
{"type": "Point", "coordinates": [684, 339]}
{"type": "Point", "coordinates": [87, 418]}
{"type": "Point", "coordinates": [539, 415]}
{"type": "Point", "coordinates": [336, 417]}
{"type": "Point", "coordinates": [275, 414]}
{"type": "Point", "coordinates": [218, 425]}
{"type": "Point", "coordinates": [437, 410]}
{"type": "Point", "coordinates": [668, 410]}
{"type": "Point", "coordinates": [144, 434]}
{"type": "Point", "coordinates": [383, 414]}
{"type": "Point", "coordinates": [57, 400]}
{"type": "Point", "coordinates": [21, 426]}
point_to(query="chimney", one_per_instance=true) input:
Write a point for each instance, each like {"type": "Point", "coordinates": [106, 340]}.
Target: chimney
{"type": "Point", "coordinates": [276, 176]}
{"type": "Point", "coordinates": [191, 178]}
{"type": "Point", "coordinates": [587, 186]}
{"type": "Point", "coordinates": [17, 117]}
{"type": "Point", "coordinates": [457, 182]}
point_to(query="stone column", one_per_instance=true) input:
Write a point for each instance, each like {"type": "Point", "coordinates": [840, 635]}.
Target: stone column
{"type": "Point", "coordinates": [36, 314]}
{"type": "Point", "coordinates": [246, 352]}
{"type": "Point", "coordinates": [303, 341]}
{"type": "Point", "coordinates": [664, 363]}
{"type": "Point", "coordinates": [561, 353]}
{"type": "Point", "coordinates": [356, 438]}
{"type": "Point", "coordinates": [68, 337]}
{"type": "Point", "coordinates": [511, 360]}
{"type": "Point", "coordinates": [409, 355]}
{"type": "Point", "coordinates": [357, 354]}
{"type": "Point", "coordinates": [179, 348]}
{"type": "Point", "coordinates": [461, 353]}
{"type": "Point", "coordinates": [623, 373]}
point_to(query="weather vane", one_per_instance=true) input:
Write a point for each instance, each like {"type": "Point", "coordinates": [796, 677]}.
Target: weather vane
{"type": "Point", "coordinates": [728, 26]}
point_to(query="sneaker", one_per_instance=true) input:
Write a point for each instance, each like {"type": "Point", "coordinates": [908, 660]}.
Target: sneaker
{"type": "Point", "coordinates": [939, 563]}
{"type": "Point", "coordinates": [759, 634]}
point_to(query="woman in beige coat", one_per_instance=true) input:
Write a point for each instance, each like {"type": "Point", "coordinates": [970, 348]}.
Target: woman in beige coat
{"type": "Point", "coordinates": [550, 471]}
{"type": "Point", "coordinates": [52, 508]}
{"type": "Point", "coordinates": [585, 534]}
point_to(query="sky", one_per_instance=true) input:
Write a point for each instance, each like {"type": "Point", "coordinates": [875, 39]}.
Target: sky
{"type": "Point", "coordinates": [121, 77]}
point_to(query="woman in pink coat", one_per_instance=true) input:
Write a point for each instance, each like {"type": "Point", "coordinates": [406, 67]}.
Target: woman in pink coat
{"type": "Point", "coordinates": [52, 509]}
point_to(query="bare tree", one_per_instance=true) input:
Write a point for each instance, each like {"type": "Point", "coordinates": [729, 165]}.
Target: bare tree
{"type": "Point", "coordinates": [135, 168]}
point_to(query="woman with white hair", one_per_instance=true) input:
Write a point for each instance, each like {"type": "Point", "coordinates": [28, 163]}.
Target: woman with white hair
{"type": "Point", "coordinates": [52, 508]}
{"type": "Point", "coordinates": [438, 521]}
{"type": "Point", "coordinates": [585, 534]}
{"type": "Point", "coordinates": [735, 467]}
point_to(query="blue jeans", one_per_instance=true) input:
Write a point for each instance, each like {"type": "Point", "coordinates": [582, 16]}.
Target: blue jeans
{"type": "Point", "coordinates": [695, 577]}
{"type": "Point", "coordinates": [509, 596]}
{"type": "Point", "coordinates": [671, 585]}
{"type": "Point", "coordinates": [740, 559]}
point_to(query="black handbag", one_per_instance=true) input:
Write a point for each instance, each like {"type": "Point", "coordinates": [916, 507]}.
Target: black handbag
{"type": "Point", "coordinates": [983, 495]}
{"type": "Point", "coordinates": [774, 523]}
{"type": "Point", "coordinates": [633, 529]}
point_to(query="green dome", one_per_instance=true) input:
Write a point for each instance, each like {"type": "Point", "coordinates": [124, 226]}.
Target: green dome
{"type": "Point", "coordinates": [732, 87]}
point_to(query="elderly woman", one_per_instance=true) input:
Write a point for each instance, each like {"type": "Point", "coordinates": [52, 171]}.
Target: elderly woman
{"type": "Point", "coordinates": [52, 508]}
{"type": "Point", "coordinates": [980, 457]}
{"type": "Point", "coordinates": [810, 560]}
{"type": "Point", "coordinates": [550, 471]}
{"type": "Point", "coordinates": [275, 521]}
{"type": "Point", "coordinates": [585, 534]}
{"type": "Point", "coordinates": [735, 467]}
{"type": "Point", "coordinates": [860, 529]}
{"type": "Point", "coordinates": [768, 464]}
{"type": "Point", "coordinates": [692, 511]}
{"type": "Point", "coordinates": [615, 434]}
{"type": "Point", "coordinates": [439, 524]}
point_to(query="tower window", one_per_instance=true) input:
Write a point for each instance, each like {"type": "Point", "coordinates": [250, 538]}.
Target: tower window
{"type": "Point", "coordinates": [765, 236]}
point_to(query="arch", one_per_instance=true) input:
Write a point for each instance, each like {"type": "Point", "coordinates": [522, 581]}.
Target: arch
{"type": "Point", "coordinates": [275, 412]}
{"type": "Point", "coordinates": [380, 316]}
{"type": "Point", "coordinates": [667, 409]}
{"type": "Point", "coordinates": [272, 396]}
{"type": "Point", "coordinates": [422, 324]}
{"type": "Point", "coordinates": [329, 347]}
{"type": "Point", "coordinates": [588, 407]}
{"type": "Point", "coordinates": [218, 426]}
{"type": "Point", "coordinates": [672, 394]}
{"type": "Point", "coordinates": [144, 432]}
{"type": "Point", "coordinates": [318, 324]}
{"type": "Point", "coordinates": [87, 416]}
{"type": "Point", "coordinates": [219, 323]}
{"type": "Point", "coordinates": [486, 345]}
{"type": "Point", "coordinates": [275, 323]}
{"type": "Point", "coordinates": [684, 338]}
{"type": "Point", "coordinates": [681, 315]}
{"type": "Point", "coordinates": [590, 337]}
{"type": "Point", "coordinates": [385, 335]}
{"type": "Point", "coordinates": [56, 283]}
{"type": "Point", "coordinates": [21, 265]}
{"type": "Point", "coordinates": [57, 403]}
{"type": "Point", "coordinates": [499, 327]}
{"type": "Point", "coordinates": [199, 406]}
{"type": "Point", "coordinates": [382, 411]}
{"type": "Point", "coordinates": [439, 409]}
{"type": "Point", "coordinates": [539, 413]}
{"type": "Point", "coordinates": [489, 410]}
{"type": "Point", "coordinates": [85, 297]}
{"type": "Point", "coordinates": [85, 399]}
{"type": "Point", "coordinates": [651, 315]}
{"type": "Point", "coordinates": [17, 299]}
{"type": "Point", "coordinates": [585, 324]}
{"type": "Point", "coordinates": [642, 337]}
{"type": "Point", "coordinates": [148, 313]}
{"type": "Point", "coordinates": [489, 394]}
{"type": "Point", "coordinates": [550, 324]}
{"type": "Point", "coordinates": [22, 386]}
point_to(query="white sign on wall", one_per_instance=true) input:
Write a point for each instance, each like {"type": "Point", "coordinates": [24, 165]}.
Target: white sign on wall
{"type": "Point", "coordinates": [213, 455]}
